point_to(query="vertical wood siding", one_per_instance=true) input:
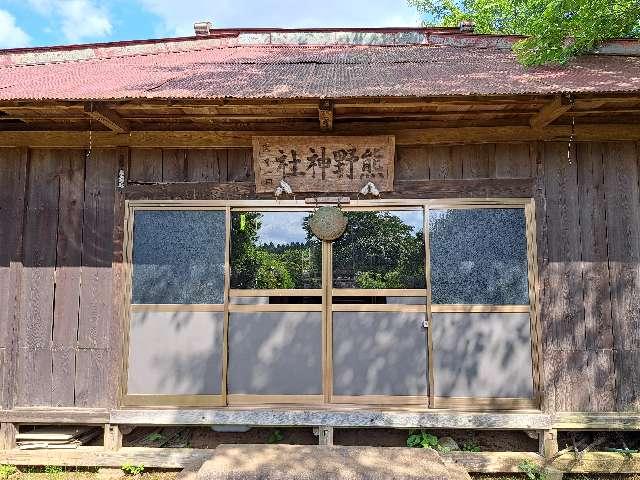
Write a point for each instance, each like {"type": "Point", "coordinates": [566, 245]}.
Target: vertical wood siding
{"type": "Point", "coordinates": [61, 254]}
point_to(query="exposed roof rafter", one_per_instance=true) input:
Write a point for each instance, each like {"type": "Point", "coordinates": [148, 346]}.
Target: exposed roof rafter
{"type": "Point", "coordinates": [551, 111]}
{"type": "Point", "coordinates": [106, 117]}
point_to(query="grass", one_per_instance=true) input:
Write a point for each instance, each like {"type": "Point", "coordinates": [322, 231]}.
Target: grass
{"type": "Point", "coordinates": [48, 473]}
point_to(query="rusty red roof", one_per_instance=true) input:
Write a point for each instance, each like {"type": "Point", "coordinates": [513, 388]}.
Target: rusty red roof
{"type": "Point", "coordinates": [285, 64]}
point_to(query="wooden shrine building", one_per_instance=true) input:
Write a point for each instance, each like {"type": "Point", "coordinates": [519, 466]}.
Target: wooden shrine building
{"type": "Point", "coordinates": [158, 264]}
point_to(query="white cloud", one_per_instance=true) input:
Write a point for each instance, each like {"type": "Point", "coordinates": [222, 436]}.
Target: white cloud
{"type": "Point", "coordinates": [77, 19]}
{"type": "Point", "coordinates": [11, 35]}
{"type": "Point", "coordinates": [178, 17]}
{"type": "Point", "coordinates": [83, 19]}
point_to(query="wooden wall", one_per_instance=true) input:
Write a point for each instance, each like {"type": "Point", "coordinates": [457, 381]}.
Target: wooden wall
{"type": "Point", "coordinates": [61, 248]}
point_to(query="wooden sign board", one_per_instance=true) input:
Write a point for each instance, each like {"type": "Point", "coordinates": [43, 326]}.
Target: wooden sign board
{"type": "Point", "coordinates": [323, 163]}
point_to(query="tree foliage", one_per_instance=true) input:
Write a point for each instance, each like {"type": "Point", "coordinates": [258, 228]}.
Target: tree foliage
{"type": "Point", "coordinates": [557, 30]}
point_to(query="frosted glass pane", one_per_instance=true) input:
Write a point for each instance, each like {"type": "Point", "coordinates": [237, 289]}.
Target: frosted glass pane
{"type": "Point", "coordinates": [380, 250]}
{"type": "Point", "coordinates": [178, 257]}
{"type": "Point", "coordinates": [482, 355]}
{"type": "Point", "coordinates": [379, 353]}
{"type": "Point", "coordinates": [175, 353]}
{"type": "Point", "coordinates": [479, 256]}
{"type": "Point", "coordinates": [275, 353]}
{"type": "Point", "coordinates": [274, 250]}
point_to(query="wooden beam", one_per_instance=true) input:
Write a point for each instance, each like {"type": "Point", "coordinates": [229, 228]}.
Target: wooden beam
{"type": "Point", "coordinates": [112, 437]}
{"type": "Point", "coordinates": [176, 458]}
{"type": "Point", "coordinates": [325, 113]}
{"type": "Point", "coordinates": [106, 117]}
{"type": "Point", "coordinates": [234, 139]}
{"type": "Point", "coordinates": [7, 436]}
{"type": "Point", "coordinates": [82, 416]}
{"type": "Point", "coordinates": [333, 418]}
{"type": "Point", "coordinates": [551, 111]}
{"type": "Point", "coordinates": [597, 421]}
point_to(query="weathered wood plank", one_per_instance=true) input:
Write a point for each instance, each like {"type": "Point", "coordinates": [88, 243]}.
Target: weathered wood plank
{"type": "Point", "coordinates": [68, 247]}
{"type": "Point", "coordinates": [597, 421]}
{"type": "Point", "coordinates": [477, 160]}
{"type": "Point", "coordinates": [63, 372]}
{"type": "Point", "coordinates": [593, 240]}
{"type": "Point", "coordinates": [146, 165]}
{"type": "Point", "coordinates": [7, 436]}
{"type": "Point", "coordinates": [191, 191]}
{"type": "Point", "coordinates": [93, 385]}
{"type": "Point", "coordinates": [333, 418]}
{"type": "Point", "coordinates": [412, 163]}
{"type": "Point", "coordinates": [67, 274]}
{"type": "Point", "coordinates": [174, 167]}
{"type": "Point", "coordinates": [207, 165]}
{"type": "Point", "coordinates": [34, 361]}
{"type": "Point", "coordinates": [33, 379]}
{"type": "Point", "coordinates": [237, 139]}
{"type": "Point", "coordinates": [519, 187]}
{"type": "Point", "coordinates": [563, 311]}
{"type": "Point", "coordinates": [628, 384]}
{"type": "Point", "coordinates": [80, 416]}
{"type": "Point", "coordinates": [118, 268]}
{"type": "Point", "coordinates": [564, 373]}
{"type": "Point", "coordinates": [13, 174]}
{"type": "Point", "coordinates": [601, 380]}
{"type": "Point", "coordinates": [240, 165]}
{"type": "Point", "coordinates": [623, 240]}
{"type": "Point", "coordinates": [96, 291]}
{"type": "Point", "coordinates": [442, 165]}
{"type": "Point", "coordinates": [99, 457]}
{"type": "Point", "coordinates": [513, 160]}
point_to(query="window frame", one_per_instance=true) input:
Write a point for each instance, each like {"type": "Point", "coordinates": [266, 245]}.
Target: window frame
{"type": "Point", "coordinates": [327, 308]}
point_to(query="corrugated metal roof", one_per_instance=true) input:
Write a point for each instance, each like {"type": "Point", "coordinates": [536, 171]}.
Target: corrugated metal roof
{"type": "Point", "coordinates": [223, 66]}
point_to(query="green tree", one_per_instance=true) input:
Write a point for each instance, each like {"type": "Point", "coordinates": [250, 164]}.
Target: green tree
{"type": "Point", "coordinates": [557, 30]}
{"type": "Point", "coordinates": [378, 250]}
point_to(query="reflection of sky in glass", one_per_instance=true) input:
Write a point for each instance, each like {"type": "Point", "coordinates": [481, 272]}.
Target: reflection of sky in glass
{"type": "Point", "coordinates": [286, 227]}
{"type": "Point", "coordinates": [411, 218]}
{"type": "Point", "coordinates": [282, 227]}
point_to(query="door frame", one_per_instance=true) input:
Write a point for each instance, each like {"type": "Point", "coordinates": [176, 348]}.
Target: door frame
{"type": "Point", "coordinates": [326, 292]}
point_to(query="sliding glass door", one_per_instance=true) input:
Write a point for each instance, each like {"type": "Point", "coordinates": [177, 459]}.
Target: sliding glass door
{"type": "Point", "coordinates": [421, 303]}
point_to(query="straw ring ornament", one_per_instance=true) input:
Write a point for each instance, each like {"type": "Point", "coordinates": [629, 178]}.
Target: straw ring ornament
{"type": "Point", "coordinates": [328, 223]}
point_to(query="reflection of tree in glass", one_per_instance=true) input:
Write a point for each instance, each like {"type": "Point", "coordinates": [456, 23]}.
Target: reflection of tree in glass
{"type": "Point", "coordinates": [378, 250]}
{"type": "Point", "coordinates": [255, 265]}
{"type": "Point", "coordinates": [478, 256]}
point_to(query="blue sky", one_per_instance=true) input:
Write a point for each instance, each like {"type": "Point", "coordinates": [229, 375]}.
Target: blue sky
{"type": "Point", "coordinates": [26, 23]}
{"type": "Point", "coordinates": [281, 227]}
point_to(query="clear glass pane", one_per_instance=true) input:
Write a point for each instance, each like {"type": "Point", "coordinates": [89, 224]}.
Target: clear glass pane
{"type": "Point", "coordinates": [178, 256]}
{"type": "Point", "coordinates": [274, 250]}
{"type": "Point", "coordinates": [383, 249]}
{"type": "Point", "coordinates": [479, 256]}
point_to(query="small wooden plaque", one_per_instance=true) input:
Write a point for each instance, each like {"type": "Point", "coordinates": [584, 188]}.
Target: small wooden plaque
{"type": "Point", "coordinates": [323, 163]}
